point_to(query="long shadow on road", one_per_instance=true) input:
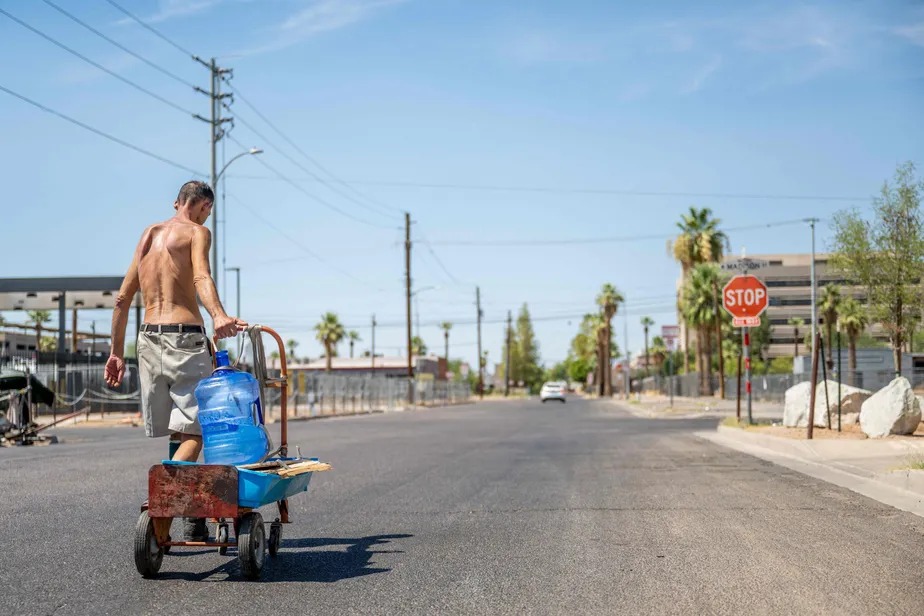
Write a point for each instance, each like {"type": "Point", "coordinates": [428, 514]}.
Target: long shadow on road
{"type": "Point", "coordinates": [307, 565]}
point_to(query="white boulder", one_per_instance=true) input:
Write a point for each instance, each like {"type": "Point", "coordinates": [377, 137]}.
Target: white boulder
{"type": "Point", "coordinates": [894, 409]}
{"type": "Point", "coordinates": [797, 397]}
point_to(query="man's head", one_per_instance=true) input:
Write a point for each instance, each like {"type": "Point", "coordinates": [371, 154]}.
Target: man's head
{"type": "Point", "coordinates": [195, 199]}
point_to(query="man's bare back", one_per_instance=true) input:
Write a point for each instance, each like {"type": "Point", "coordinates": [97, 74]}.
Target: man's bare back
{"type": "Point", "coordinates": [165, 272]}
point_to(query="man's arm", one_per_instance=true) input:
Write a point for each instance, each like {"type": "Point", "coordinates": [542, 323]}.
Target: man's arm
{"type": "Point", "coordinates": [225, 326]}
{"type": "Point", "coordinates": [115, 366]}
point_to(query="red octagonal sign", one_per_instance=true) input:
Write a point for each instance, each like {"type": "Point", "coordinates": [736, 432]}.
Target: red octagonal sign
{"type": "Point", "coordinates": [745, 297]}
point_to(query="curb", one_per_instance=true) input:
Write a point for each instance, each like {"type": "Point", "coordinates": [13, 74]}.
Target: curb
{"type": "Point", "coordinates": [901, 489]}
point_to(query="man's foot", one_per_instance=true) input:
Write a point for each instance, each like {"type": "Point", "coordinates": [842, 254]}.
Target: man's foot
{"type": "Point", "coordinates": [194, 529]}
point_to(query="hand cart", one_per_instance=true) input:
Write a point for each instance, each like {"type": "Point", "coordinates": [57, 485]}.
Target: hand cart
{"type": "Point", "coordinates": [229, 495]}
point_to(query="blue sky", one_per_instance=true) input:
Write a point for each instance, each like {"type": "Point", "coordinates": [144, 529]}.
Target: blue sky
{"type": "Point", "coordinates": [422, 102]}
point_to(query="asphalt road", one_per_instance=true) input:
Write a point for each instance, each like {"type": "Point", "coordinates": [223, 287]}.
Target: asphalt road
{"type": "Point", "coordinates": [498, 508]}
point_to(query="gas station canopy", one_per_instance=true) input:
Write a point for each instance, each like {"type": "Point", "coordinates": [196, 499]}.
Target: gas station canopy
{"type": "Point", "coordinates": [46, 293]}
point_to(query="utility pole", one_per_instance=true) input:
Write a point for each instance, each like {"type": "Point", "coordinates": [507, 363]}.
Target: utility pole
{"type": "Point", "coordinates": [480, 360]}
{"type": "Point", "coordinates": [507, 364]}
{"type": "Point", "coordinates": [93, 338]}
{"type": "Point", "coordinates": [407, 295]}
{"type": "Point", "coordinates": [628, 375]}
{"type": "Point", "coordinates": [373, 345]}
{"type": "Point", "coordinates": [811, 222]}
{"type": "Point", "coordinates": [215, 121]}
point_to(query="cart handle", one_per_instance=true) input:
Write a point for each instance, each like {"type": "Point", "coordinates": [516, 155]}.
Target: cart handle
{"type": "Point", "coordinates": [283, 384]}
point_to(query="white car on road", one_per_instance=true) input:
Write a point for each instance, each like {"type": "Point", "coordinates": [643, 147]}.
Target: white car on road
{"type": "Point", "coordinates": [553, 390]}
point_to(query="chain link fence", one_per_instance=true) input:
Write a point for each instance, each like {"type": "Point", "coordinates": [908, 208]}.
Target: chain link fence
{"type": "Point", "coordinates": [82, 387]}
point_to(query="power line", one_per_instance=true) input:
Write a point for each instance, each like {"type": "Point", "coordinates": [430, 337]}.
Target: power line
{"type": "Point", "coordinates": [601, 240]}
{"type": "Point", "coordinates": [99, 66]}
{"type": "Point", "coordinates": [446, 271]}
{"type": "Point", "coordinates": [308, 194]}
{"type": "Point", "coordinates": [308, 157]}
{"type": "Point", "coordinates": [296, 242]}
{"type": "Point", "coordinates": [119, 45]}
{"type": "Point", "coordinates": [101, 133]}
{"type": "Point", "coordinates": [279, 150]}
{"type": "Point", "coordinates": [567, 190]}
{"type": "Point", "coordinates": [151, 29]}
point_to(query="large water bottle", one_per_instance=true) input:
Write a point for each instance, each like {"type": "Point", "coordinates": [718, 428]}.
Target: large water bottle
{"type": "Point", "coordinates": [231, 416]}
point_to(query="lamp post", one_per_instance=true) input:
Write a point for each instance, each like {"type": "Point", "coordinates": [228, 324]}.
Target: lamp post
{"type": "Point", "coordinates": [237, 271]}
{"type": "Point", "coordinates": [416, 311]}
{"type": "Point", "coordinates": [251, 152]}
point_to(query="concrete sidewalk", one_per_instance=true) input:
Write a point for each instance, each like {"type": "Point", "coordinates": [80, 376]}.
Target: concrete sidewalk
{"type": "Point", "coordinates": [882, 469]}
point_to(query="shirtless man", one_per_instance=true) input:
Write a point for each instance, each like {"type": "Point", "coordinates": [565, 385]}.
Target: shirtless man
{"type": "Point", "coordinates": [171, 266]}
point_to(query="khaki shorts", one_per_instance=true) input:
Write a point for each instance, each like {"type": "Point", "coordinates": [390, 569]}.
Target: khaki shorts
{"type": "Point", "coordinates": [170, 367]}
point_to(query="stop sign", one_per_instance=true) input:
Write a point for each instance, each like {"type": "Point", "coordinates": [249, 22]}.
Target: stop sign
{"type": "Point", "coordinates": [745, 296]}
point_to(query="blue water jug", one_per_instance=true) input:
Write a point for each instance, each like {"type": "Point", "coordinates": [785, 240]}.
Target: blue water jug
{"type": "Point", "coordinates": [231, 416]}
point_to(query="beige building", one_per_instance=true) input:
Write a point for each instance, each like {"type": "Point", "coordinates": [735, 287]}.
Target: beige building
{"type": "Point", "coordinates": [788, 279]}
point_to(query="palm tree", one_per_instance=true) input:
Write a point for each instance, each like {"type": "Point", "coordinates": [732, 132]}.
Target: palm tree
{"type": "Point", "coordinates": [658, 352]}
{"type": "Point", "coordinates": [291, 343]}
{"type": "Point", "coordinates": [700, 310]}
{"type": "Point", "coordinates": [647, 322]}
{"type": "Point", "coordinates": [418, 347]}
{"type": "Point", "coordinates": [699, 241]}
{"type": "Point", "coordinates": [446, 326]}
{"type": "Point", "coordinates": [38, 318]}
{"type": "Point", "coordinates": [829, 305]}
{"type": "Point", "coordinates": [796, 323]}
{"type": "Point", "coordinates": [329, 332]}
{"type": "Point", "coordinates": [853, 319]}
{"type": "Point", "coordinates": [608, 300]}
{"type": "Point", "coordinates": [275, 357]}
{"type": "Point", "coordinates": [353, 337]}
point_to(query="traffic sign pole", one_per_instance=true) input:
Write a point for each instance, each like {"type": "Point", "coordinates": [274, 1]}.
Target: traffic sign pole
{"type": "Point", "coordinates": [747, 369]}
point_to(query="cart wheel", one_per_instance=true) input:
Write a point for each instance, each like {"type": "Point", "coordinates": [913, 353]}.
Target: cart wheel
{"type": "Point", "coordinates": [222, 537]}
{"type": "Point", "coordinates": [148, 555]}
{"type": "Point", "coordinates": [275, 537]}
{"type": "Point", "coordinates": [251, 545]}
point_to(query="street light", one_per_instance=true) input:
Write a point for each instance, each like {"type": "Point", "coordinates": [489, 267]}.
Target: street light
{"type": "Point", "coordinates": [237, 271]}
{"type": "Point", "coordinates": [251, 152]}
{"type": "Point", "coordinates": [416, 311]}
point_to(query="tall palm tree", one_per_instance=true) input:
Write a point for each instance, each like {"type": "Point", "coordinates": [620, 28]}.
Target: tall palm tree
{"type": "Point", "coordinates": [329, 332]}
{"type": "Point", "coordinates": [829, 305]}
{"type": "Point", "coordinates": [647, 322]}
{"type": "Point", "coordinates": [658, 352]}
{"type": "Point", "coordinates": [602, 366]}
{"type": "Point", "coordinates": [353, 337]}
{"type": "Point", "coordinates": [291, 343]}
{"type": "Point", "coordinates": [608, 300]}
{"type": "Point", "coordinates": [853, 319]}
{"type": "Point", "coordinates": [699, 241]}
{"type": "Point", "coordinates": [274, 356]}
{"type": "Point", "coordinates": [446, 326]}
{"type": "Point", "coordinates": [39, 318]}
{"type": "Point", "coordinates": [796, 323]}
{"type": "Point", "coordinates": [700, 310]}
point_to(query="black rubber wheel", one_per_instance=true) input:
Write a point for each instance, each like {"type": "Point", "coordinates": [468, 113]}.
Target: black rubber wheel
{"type": "Point", "coordinates": [251, 545]}
{"type": "Point", "coordinates": [222, 537]}
{"type": "Point", "coordinates": [275, 538]}
{"type": "Point", "coordinates": [148, 555]}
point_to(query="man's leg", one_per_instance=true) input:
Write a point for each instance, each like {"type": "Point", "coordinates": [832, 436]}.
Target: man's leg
{"type": "Point", "coordinates": [190, 446]}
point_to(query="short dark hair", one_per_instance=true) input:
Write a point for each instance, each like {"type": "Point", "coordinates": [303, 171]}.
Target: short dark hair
{"type": "Point", "coordinates": [195, 191]}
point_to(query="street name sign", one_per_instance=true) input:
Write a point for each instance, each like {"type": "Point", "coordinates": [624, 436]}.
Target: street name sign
{"type": "Point", "coordinates": [745, 298]}
{"type": "Point", "coordinates": [745, 264]}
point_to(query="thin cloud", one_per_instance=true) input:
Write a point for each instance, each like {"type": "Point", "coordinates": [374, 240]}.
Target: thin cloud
{"type": "Point", "coordinates": [320, 16]}
{"type": "Point", "coordinates": [702, 75]}
{"type": "Point", "coordinates": [914, 33]}
{"type": "Point", "coordinates": [170, 9]}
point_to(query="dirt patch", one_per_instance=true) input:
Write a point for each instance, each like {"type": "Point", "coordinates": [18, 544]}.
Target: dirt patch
{"type": "Point", "coordinates": [849, 432]}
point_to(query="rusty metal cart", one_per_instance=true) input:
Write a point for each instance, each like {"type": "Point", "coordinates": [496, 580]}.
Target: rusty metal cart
{"type": "Point", "coordinates": [227, 494]}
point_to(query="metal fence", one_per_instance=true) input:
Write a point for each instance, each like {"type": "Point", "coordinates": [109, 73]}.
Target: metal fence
{"type": "Point", "coordinates": [772, 387]}
{"type": "Point", "coordinates": [81, 386]}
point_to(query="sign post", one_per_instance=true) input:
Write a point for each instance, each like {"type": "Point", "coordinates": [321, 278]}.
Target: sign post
{"type": "Point", "coordinates": [670, 333]}
{"type": "Point", "coordinates": [745, 298]}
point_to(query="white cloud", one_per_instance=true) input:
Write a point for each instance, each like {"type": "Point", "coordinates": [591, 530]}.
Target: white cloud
{"type": "Point", "coordinates": [320, 16]}
{"type": "Point", "coordinates": [700, 77]}
{"type": "Point", "coordinates": [543, 46]}
{"type": "Point", "coordinates": [913, 33]}
{"type": "Point", "coordinates": [169, 9]}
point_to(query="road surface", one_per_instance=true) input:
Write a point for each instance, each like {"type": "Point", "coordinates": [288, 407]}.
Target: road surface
{"type": "Point", "coordinates": [496, 508]}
